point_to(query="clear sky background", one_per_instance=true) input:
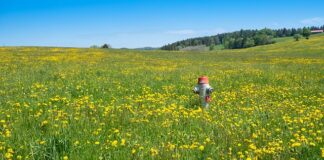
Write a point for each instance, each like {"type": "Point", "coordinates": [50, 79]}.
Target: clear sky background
{"type": "Point", "coordinates": [140, 23]}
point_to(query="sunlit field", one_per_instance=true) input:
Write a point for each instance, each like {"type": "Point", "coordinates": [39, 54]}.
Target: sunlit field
{"type": "Point", "coordinates": [70, 103]}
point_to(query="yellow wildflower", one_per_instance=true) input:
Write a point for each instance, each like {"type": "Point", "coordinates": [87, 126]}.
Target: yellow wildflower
{"type": "Point", "coordinates": [42, 142]}
{"type": "Point", "coordinates": [123, 142]}
{"type": "Point", "coordinates": [252, 146]}
{"type": "Point", "coordinates": [154, 151]}
{"type": "Point", "coordinates": [133, 151]}
{"type": "Point", "coordinates": [114, 143]}
{"type": "Point", "coordinates": [116, 131]}
{"type": "Point", "coordinates": [296, 144]}
{"type": "Point", "coordinates": [76, 143]}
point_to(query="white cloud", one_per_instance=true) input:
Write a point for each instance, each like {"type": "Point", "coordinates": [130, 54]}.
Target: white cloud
{"type": "Point", "coordinates": [313, 21]}
{"type": "Point", "coordinates": [181, 32]}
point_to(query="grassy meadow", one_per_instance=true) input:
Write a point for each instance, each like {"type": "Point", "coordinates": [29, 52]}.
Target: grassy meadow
{"type": "Point", "coordinates": [74, 103]}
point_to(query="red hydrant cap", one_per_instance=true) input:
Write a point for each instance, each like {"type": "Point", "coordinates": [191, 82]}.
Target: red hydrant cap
{"type": "Point", "coordinates": [203, 80]}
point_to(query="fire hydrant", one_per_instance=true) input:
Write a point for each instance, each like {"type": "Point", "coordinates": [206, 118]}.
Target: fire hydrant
{"type": "Point", "coordinates": [204, 90]}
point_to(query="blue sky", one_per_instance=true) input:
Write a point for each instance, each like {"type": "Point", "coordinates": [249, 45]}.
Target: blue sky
{"type": "Point", "coordinates": [139, 23]}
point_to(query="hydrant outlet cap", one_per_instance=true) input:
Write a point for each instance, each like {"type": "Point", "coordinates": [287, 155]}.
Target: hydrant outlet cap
{"type": "Point", "coordinates": [203, 80]}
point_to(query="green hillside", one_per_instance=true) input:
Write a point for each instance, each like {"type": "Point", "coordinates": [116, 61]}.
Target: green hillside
{"type": "Point", "coordinates": [284, 45]}
{"type": "Point", "coordinates": [241, 39]}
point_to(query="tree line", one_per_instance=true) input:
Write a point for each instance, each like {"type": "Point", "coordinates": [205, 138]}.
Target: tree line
{"type": "Point", "coordinates": [105, 46]}
{"type": "Point", "coordinates": [242, 38]}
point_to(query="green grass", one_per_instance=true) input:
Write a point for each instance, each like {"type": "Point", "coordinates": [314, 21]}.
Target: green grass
{"type": "Point", "coordinates": [218, 47]}
{"type": "Point", "coordinates": [283, 39]}
{"type": "Point", "coordinates": [196, 48]}
{"type": "Point", "coordinates": [126, 104]}
{"type": "Point", "coordinates": [289, 39]}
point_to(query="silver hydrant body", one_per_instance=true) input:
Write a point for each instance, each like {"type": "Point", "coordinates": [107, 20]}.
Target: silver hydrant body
{"type": "Point", "coordinates": [204, 90]}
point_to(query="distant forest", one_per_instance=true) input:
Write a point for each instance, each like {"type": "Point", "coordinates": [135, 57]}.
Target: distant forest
{"type": "Point", "coordinates": [242, 38]}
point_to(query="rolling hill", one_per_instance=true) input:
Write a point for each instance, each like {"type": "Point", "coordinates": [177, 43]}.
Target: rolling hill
{"type": "Point", "coordinates": [239, 39]}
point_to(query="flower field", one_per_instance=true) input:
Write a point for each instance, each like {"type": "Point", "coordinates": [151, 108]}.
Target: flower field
{"type": "Point", "coordinates": [74, 103]}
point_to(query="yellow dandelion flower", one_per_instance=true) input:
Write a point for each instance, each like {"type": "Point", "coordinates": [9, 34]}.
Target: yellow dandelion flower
{"type": "Point", "coordinates": [44, 123]}
{"type": "Point", "coordinates": [201, 147]}
{"type": "Point", "coordinates": [296, 144]}
{"type": "Point", "coordinates": [123, 142]}
{"type": "Point", "coordinates": [252, 146]}
{"type": "Point", "coordinates": [19, 157]}
{"type": "Point", "coordinates": [10, 150]}
{"type": "Point", "coordinates": [154, 151]}
{"type": "Point", "coordinates": [114, 143]}
{"type": "Point", "coordinates": [7, 133]}
{"type": "Point", "coordinates": [171, 146]}
{"type": "Point", "coordinates": [8, 155]}
{"type": "Point", "coordinates": [76, 143]}
{"type": "Point", "coordinates": [42, 142]}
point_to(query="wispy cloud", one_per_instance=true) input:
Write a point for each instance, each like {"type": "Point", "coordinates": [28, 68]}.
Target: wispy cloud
{"type": "Point", "coordinates": [313, 21]}
{"type": "Point", "coordinates": [181, 32]}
